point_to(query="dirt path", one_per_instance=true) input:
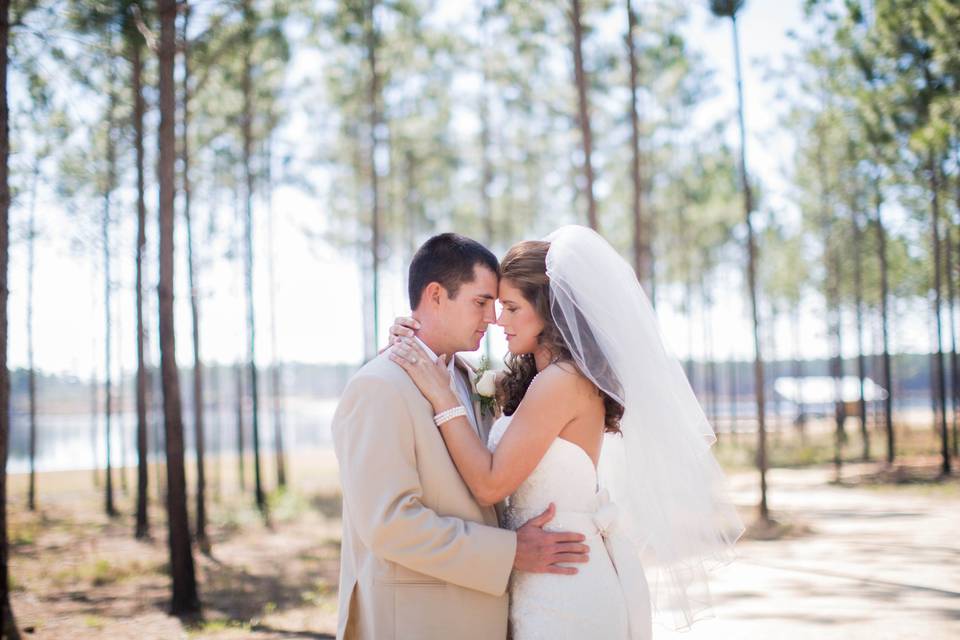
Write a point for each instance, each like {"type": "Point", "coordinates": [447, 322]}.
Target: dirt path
{"type": "Point", "coordinates": [861, 563]}
{"type": "Point", "coordinates": [79, 576]}
{"type": "Point", "coordinates": [877, 564]}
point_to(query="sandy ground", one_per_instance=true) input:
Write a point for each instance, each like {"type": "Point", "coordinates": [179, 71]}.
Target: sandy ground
{"type": "Point", "coordinates": [867, 563]}
{"type": "Point", "coordinates": [858, 561]}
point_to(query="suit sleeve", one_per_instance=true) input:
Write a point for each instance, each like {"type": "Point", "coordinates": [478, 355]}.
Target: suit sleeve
{"type": "Point", "coordinates": [374, 442]}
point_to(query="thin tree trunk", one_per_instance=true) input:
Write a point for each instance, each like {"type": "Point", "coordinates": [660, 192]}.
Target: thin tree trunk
{"type": "Point", "coordinates": [105, 239]}
{"type": "Point", "coordinates": [734, 396]}
{"type": "Point", "coordinates": [884, 316]}
{"type": "Point", "coordinates": [238, 368]}
{"type": "Point", "coordinates": [31, 371]}
{"type": "Point", "coordinates": [641, 247]}
{"type": "Point", "coordinates": [583, 110]}
{"type": "Point", "coordinates": [372, 42]}
{"type": "Point", "coordinates": [956, 385]}
{"type": "Point", "coordinates": [486, 181]}
{"type": "Point", "coordinates": [835, 324]}
{"type": "Point", "coordinates": [710, 383]}
{"type": "Point", "coordinates": [275, 373]}
{"type": "Point", "coordinates": [858, 302]}
{"type": "Point", "coordinates": [801, 420]}
{"type": "Point", "coordinates": [185, 599]}
{"type": "Point", "coordinates": [951, 303]}
{"type": "Point", "coordinates": [760, 386]}
{"type": "Point", "coordinates": [9, 627]}
{"type": "Point", "coordinates": [940, 382]}
{"type": "Point", "coordinates": [136, 60]}
{"type": "Point", "coordinates": [248, 19]}
{"type": "Point", "coordinates": [216, 401]}
{"type": "Point", "coordinates": [199, 440]}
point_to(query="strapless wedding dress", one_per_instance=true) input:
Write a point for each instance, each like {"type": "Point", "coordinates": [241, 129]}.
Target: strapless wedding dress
{"type": "Point", "coordinates": [598, 602]}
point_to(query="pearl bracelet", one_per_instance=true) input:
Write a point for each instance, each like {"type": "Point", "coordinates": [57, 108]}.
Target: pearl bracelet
{"type": "Point", "coordinates": [449, 414]}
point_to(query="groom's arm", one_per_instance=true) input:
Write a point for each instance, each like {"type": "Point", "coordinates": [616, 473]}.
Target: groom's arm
{"type": "Point", "coordinates": [374, 441]}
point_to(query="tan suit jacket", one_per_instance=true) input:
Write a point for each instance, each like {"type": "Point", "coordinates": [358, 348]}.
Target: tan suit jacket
{"type": "Point", "coordinates": [420, 558]}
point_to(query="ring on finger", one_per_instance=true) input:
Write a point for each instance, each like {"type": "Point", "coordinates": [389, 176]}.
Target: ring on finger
{"type": "Point", "coordinates": [413, 359]}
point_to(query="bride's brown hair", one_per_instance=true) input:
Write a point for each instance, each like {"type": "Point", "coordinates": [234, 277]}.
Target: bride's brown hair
{"type": "Point", "coordinates": [525, 266]}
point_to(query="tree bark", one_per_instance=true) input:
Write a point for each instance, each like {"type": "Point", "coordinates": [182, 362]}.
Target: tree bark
{"type": "Point", "coordinates": [185, 599]}
{"type": "Point", "coordinates": [31, 371]}
{"type": "Point", "coordinates": [248, 19]}
{"type": "Point", "coordinates": [142, 529]}
{"type": "Point", "coordinates": [275, 372]}
{"type": "Point", "coordinates": [371, 39]}
{"type": "Point", "coordinates": [641, 244]}
{"type": "Point", "coordinates": [858, 304]}
{"type": "Point", "coordinates": [9, 627]}
{"type": "Point", "coordinates": [107, 286]}
{"type": "Point", "coordinates": [758, 373]}
{"type": "Point", "coordinates": [198, 427]}
{"type": "Point", "coordinates": [881, 233]}
{"type": "Point", "coordinates": [238, 368]}
{"type": "Point", "coordinates": [940, 381]}
{"type": "Point", "coordinates": [583, 109]}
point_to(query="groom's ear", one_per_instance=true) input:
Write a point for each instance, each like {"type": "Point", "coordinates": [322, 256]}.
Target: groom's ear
{"type": "Point", "coordinates": [432, 293]}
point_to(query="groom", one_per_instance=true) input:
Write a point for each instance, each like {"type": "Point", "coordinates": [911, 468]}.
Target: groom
{"type": "Point", "coordinates": [420, 558]}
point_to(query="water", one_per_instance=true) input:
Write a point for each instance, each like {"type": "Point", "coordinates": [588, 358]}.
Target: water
{"type": "Point", "coordinates": [65, 441]}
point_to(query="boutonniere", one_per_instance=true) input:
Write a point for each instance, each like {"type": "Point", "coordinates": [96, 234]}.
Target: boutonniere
{"type": "Point", "coordinates": [485, 387]}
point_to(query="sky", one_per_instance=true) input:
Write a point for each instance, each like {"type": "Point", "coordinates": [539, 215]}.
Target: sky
{"type": "Point", "coordinates": [318, 289]}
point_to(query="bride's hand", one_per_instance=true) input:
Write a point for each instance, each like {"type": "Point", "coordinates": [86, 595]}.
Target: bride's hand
{"type": "Point", "coordinates": [403, 326]}
{"type": "Point", "coordinates": [432, 379]}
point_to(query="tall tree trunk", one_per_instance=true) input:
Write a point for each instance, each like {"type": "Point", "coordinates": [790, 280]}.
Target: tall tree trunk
{"type": "Point", "coordinates": [216, 401]}
{"type": "Point", "coordinates": [185, 599]}
{"type": "Point", "coordinates": [834, 329]}
{"type": "Point", "coordinates": [94, 388]}
{"type": "Point", "coordinates": [142, 529]}
{"type": "Point", "coordinates": [108, 338]}
{"type": "Point", "coordinates": [956, 381]}
{"type": "Point", "coordinates": [583, 110]}
{"type": "Point", "coordinates": [248, 20]}
{"type": "Point", "coordinates": [858, 302]}
{"type": "Point", "coordinates": [940, 382]}
{"type": "Point", "coordinates": [710, 383]}
{"type": "Point", "coordinates": [881, 233]}
{"type": "Point", "coordinates": [199, 440]}
{"type": "Point", "coordinates": [238, 369]}
{"type": "Point", "coordinates": [951, 314]}
{"type": "Point", "coordinates": [801, 419]}
{"type": "Point", "coordinates": [486, 172]}
{"type": "Point", "coordinates": [9, 627]}
{"type": "Point", "coordinates": [31, 371]}
{"type": "Point", "coordinates": [641, 242]}
{"type": "Point", "coordinates": [275, 373]}
{"type": "Point", "coordinates": [759, 382]}
{"type": "Point", "coordinates": [734, 397]}
{"type": "Point", "coordinates": [372, 43]}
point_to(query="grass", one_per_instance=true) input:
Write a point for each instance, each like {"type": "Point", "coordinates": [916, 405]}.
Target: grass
{"type": "Point", "coordinates": [787, 449]}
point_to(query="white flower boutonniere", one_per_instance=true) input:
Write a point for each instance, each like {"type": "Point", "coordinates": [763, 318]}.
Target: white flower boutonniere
{"type": "Point", "coordinates": [485, 388]}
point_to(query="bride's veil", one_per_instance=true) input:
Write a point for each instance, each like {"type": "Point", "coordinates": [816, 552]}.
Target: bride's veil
{"type": "Point", "coordinates": [660, 472]}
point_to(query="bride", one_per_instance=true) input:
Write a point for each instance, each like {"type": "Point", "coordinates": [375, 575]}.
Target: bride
{"type": "Point", "coordinates": [599, 420]}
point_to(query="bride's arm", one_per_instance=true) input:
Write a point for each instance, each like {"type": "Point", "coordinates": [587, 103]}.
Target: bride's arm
{"type": "Point", "coordinates": [547, 407]}
{"type": "Point", "coordinates": [545, 410]}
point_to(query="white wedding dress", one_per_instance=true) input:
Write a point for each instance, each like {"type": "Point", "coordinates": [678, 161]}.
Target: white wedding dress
{"type": "Point", "coordinates": [597, 602]}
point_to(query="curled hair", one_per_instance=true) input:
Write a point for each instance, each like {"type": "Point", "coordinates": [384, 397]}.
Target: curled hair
{"type": "Point", "coordinates": [525, 266]}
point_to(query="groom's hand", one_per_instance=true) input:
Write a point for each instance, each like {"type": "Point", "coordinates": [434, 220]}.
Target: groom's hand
{"type": "Point", "coordinates": [540, 551]}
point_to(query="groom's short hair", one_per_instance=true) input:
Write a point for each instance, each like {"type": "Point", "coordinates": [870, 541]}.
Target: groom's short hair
{"type": "Point", "coordinates": [447, 258]}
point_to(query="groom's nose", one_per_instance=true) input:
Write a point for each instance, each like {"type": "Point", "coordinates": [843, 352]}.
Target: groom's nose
{"type": "Point", "coordinates": [489, 313]}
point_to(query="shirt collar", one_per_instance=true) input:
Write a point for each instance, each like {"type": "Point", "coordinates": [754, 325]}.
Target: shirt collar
{"type": "Point", "coordinates": [433, 356]}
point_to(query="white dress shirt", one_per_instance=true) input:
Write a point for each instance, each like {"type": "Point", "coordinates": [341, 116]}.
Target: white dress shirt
{"type": "Point", "coordinates": [458, 383]}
